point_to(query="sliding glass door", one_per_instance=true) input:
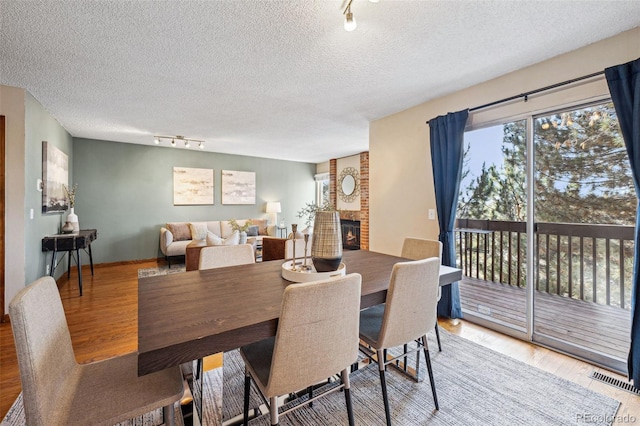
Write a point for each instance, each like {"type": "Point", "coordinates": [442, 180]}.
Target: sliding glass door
{"type": "Point", "coordinates": [545, 231]}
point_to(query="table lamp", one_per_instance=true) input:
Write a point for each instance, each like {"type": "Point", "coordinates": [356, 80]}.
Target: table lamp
{"type": "Point", "coordinates": [274, 208]}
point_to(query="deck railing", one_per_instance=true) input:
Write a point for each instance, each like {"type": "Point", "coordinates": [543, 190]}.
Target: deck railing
{"type": "Point", "coordinates": [587, 262]}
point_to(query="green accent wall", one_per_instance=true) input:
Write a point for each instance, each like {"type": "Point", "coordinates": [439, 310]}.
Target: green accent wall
{"type": "Point", "coordinates": [125, 191]}
{"type": "Point", "coordinates": [40, 126]}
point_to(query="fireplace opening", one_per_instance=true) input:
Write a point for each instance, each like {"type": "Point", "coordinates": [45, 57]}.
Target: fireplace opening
{"type": "Point", "coordinates": [350, 234]}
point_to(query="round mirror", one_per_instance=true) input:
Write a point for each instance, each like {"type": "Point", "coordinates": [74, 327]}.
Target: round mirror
{"type": "Point", "coordinates": [348, 185]}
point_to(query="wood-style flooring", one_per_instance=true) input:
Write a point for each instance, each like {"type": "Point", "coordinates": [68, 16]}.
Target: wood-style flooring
{"type": "Point", "coordinates": [103, 323]}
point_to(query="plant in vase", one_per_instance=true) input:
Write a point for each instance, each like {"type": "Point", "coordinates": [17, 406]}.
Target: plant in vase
{"type": "Point", "coordinates": [72, 217]}
{"type": "Point", "coordinates": [242, 229]}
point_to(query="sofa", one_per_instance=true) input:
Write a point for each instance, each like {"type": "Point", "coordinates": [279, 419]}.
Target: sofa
{"type": "Point", "coordinates": [176, 236]}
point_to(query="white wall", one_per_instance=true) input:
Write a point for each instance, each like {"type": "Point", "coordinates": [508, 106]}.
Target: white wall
{"type": "Point", "coordinates": [12, 106]}
{"type": "Point", "coordinates": [401, 178]}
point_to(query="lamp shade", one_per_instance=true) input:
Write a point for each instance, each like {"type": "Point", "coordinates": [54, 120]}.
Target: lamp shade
{"type": "Point", "coordinates": [273, 207]}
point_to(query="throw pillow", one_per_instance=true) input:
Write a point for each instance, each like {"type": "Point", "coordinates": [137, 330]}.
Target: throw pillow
{"type": "Point", "coordinates": [261, 224]}
{"type": "Point", "coordinates": [232, 239]}
{"type": "Point", "coordinates": [214, 240]}
{"type": "Point", "coordinates": [180, 231]}
{"type": "Point", "coordinates": [252, 231]}
{"type": "Point", "coordinates": [198, 230]}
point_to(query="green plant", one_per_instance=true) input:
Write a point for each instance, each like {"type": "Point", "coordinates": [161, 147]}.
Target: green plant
{"type": "Point", "coordinates": [308, 212]}
{"type": "Point", "coordinates": [240, 228]}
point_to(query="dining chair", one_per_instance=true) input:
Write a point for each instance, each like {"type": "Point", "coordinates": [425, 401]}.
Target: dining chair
{"type": "Point", "coordinates": [408, 313]}
{"type": "Point", "coordinates": [317, 337]}
{"type": "Point", "coordinates": [419, 248]}
{"type": "Point", "coordinates": [59, 391]}
{"type": "Point", "coordinates": [220, 256]}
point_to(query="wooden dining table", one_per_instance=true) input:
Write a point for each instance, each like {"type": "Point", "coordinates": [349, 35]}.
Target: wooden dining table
{"type": "Point", "coordinates": [187, 316]}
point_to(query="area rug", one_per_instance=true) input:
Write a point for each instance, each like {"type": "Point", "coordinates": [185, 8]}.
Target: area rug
{"type": "Point", "coordinates": [475, 386]}
{"type": "Point", "coordinates": [161, 270]}
{"type": "Point", "coordinates": [15, 416]}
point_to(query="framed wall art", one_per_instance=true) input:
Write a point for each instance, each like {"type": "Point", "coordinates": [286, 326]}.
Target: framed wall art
{"type": "Point", "coordinates": [55, 174]}
{"type": "Point", "coordinates": [192, 186]}
{"type": "Point", "coordinates": [238, 187]}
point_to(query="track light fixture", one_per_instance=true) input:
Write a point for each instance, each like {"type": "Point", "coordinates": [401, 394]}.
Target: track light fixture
{"type": "Point", "coordinates": [350, 23]}
{"type": "Point", "coordinates": [174, 139]}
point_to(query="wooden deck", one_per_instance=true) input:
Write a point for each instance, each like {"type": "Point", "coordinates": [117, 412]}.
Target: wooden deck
{"type": "Point", "coordinates": [600, 328]}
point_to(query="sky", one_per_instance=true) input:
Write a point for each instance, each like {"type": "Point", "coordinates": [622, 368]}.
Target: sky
{"type": "Point", "coordinates": [486, 147]}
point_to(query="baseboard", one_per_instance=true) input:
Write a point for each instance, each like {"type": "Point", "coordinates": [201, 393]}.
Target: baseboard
{"type": "Point", "coordinates": [5, 318]}
{"type": "Point", "coordinates": [87, 266]}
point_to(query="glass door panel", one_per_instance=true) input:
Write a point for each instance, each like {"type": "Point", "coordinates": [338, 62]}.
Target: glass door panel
{"type": "Point", "coordinates": [491, 228]}
{"type": "Point", "coordinates": [585, 209]}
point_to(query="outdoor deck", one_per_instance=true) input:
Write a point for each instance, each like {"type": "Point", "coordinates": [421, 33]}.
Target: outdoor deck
{"type": "Point", "coordinates": [602, 328]}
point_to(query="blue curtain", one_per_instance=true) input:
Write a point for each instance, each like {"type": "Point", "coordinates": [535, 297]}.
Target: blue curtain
{"type": "Point", "coordinates": [624, 85]}
{"type": "Point", "coordinates": [447, 136]}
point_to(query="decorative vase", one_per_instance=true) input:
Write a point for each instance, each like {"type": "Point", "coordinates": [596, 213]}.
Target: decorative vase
{"type": "Point", "coordinates": [243, 237]}
{"type": "Point", "coordinates": [72, 218]}
{"type": "Point", "coordinates": [326, 244]}
{"type": "Point", "coordinates": [67, 228]}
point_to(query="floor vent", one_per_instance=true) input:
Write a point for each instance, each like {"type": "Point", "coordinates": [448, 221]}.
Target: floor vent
{"type": "Point", "coordinates": [626, 386]}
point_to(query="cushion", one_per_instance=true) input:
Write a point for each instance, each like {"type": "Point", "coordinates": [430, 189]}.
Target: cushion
{"type": "Point", "coordinates": [214, 240]}
{"type": "Point", "coordinates": [261, 224]}
{"type": "Point", "coordinates": [180, 231]}
{"type": "Point", "coordinates": [252, 231]}
{"type": "Point", "coordinates": [198, 230]}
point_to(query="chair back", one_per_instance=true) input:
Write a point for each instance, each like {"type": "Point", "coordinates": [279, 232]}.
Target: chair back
{"type": "Point", "coordinates": [288, 248]}
{"type": "Point", "coordinates": [410, 306]}
{"type": "Point", "coordinates": [221, 256]}
{"type": "Point", "coordinates": [419, 248]}
{"type": "Point", "coordinates": [317, 333]}
{"type": "Point", "coordinates": [45, 355]}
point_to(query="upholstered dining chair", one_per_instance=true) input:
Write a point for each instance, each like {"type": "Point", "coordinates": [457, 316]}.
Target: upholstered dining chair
{"type": "Point", "coordinates": [317, 337]}
{"type": "Point", "coordinates": [408, 313]}
{"type": "Point", "coordinates": [419, 248]}
{"type": "Point", "coordinates": [59, 391]}
{"type": "Point", "coordinates": [220, 256]}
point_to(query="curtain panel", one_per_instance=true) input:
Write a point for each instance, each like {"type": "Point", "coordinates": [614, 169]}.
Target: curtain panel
{"type": "Point", "coordinates": [447, 136]}
{"type": "Point", "coordinates": [624, 85]}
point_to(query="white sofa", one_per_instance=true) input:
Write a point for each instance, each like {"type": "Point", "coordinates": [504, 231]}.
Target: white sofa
{"type": "Point", "coordinates": [176, 236]}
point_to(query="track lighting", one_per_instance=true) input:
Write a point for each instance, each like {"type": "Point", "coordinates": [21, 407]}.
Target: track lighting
{"type": "Point", "coordinates": [174, 139]}
{"type": "Point", "coordinates": [350, 23]}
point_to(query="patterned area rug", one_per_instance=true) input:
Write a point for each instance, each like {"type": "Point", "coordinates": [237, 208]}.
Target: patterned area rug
{"type": "Point", "coordinates": [475, 386]}
{"type": "Point", "coordinates": [161, 270]}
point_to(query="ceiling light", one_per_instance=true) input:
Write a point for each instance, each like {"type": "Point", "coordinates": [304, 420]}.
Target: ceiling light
{"type": "Point", "coordinates": [350, 23]}
{"type": "Point", "coordinates": [173, 140]}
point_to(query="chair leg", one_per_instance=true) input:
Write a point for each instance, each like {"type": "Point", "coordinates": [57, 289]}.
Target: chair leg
{"type": "Point", "coordinates": [247, 391]}
{"type": "Point", "coordinates": [347, 395]}
{"type": "Point", "coordinates": [168, 415]}
{"type": "Point", "coordinates": [430, 371]}
{"type": "Point", "coordinates": [383, 385]}
{"type": "Point", "coordinates": [273, 409]}
{"type": "Point", "coordinates": [438, 337]}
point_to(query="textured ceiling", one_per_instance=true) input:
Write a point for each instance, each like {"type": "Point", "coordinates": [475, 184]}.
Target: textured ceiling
{"type": "Point", "coordinates": [277, 79]}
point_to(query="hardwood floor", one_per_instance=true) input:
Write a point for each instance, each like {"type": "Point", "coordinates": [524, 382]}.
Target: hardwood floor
{"type": "Point", "coordinates": [103, 323]}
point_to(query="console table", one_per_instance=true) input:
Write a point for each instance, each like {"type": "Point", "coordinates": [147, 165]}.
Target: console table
{"type": "Point", "coordinates": [70, 243]}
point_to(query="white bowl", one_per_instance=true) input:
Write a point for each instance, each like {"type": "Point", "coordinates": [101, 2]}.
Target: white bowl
{"type": "Point", "coordinates": [310, 275]}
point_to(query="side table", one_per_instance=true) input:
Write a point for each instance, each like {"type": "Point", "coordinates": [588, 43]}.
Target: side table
{"type": "Point", "coordinates": [282, 231]}
{"type": "Point", "coordinates": [70, 243]}
{"type": "Point", "coordinates": [192, 254]}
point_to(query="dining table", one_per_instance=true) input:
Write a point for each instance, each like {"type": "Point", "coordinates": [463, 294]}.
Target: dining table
{"type": "Point", "coordinates": [187, 316]}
